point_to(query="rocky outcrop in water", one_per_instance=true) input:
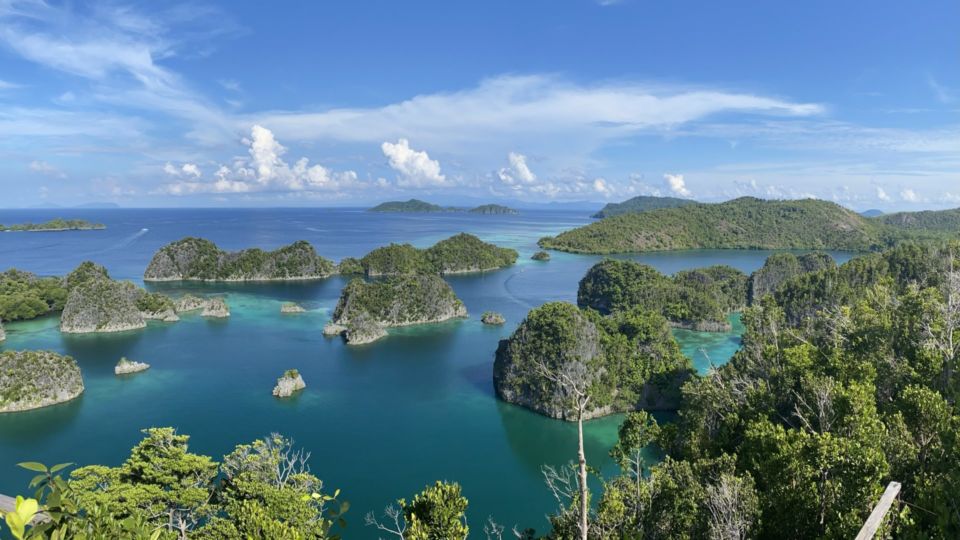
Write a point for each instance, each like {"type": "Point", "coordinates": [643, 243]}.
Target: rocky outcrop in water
{"type": "Point", "coordinates": [3, 333]}
{"type": "Point", "coordinates": [395, 301]}
{"type": "Point", "coordinates": [291, 307]}
{"type": "Point", "coordinates": [34, 379]}
{"type": "Point", "coordinates": [216, 307]}
{"type": "Point", "coordinates": [288, 383]}
{"type": "Point", "coordinates": [629, 360]}
{"type": "Point", "coordinates": [542, 256]}
{"type": "Point", "coordinates": [96, 303]}
{"type": "Point", "coordinates": [201, 260]}
{"type": "Point", "coordinates": [125, 367]}
{"type": "Point", "coordinates": [189, 302]}
{"type": "Point", "coordinates": [492, 317]}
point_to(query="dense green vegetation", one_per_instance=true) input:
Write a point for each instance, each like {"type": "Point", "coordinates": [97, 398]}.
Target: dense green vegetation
{"type": "Point", "coordinates": [457, 254]}
{"type": "Point", "coordinates": [628, 360]}
{"type": "Point", "coordinates": [781, 267]}
{"type": "Point", "coordinates": [397, 301]}
{"type": "Point", "coordinates": [413, 205]}
{"type": "Point", "coordinates": [199, 259]}
{"type": "Point", "coordinates": [25, 296]}
{"type": "Point", "coordinates": [349, 265]}
{"type": "Point", "coordinates": [927, 220]}
{"type": "Point", "coordinates": [54, 225]}
{"type": "Point", "coordinates": [700, 299]}
{"type": "Point", "coordinates": [492, 209]}
{"type": "Point", "coordinates": [32, 379]}
{"type": "Point", "coordinates": [541, 256]}
{"type": "Point", "coordinates": [641, 203]}
{"type": "Point", "coordinates": [749, 223]}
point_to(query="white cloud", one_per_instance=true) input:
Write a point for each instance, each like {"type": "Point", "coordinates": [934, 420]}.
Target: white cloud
{"type": "Point", "coordinates": [601, 186]}
{"type": "Point", "coordinates": [677, 185]}
{"type": "Point", "coordinates": [187, 170]}
{"type": "Point", "coordinates": [415, 167]}
{"type": "Point", "coordinates": [518, 172]}
{"type": "Point", "coordinates": [544, 110]}
{"type": "Point", "coordinates": [264, 170]}
{"type": "Point", "coordinates": [909, 195]}
{"type": "Point", "coordinates": [941, 92]}
{"type": "Point", "coordinates": [882, 194]}
{"type": "Point", "coordinates": [44, 168]}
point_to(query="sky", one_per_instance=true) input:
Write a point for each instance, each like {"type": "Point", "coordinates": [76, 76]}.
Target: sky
{"type": "Point", "coordinates": [345, 103]}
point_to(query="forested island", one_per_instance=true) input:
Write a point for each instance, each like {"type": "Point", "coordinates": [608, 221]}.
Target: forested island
{"type": "Point", "coordinates": [196, 259]}
{"type": "Point", "coordinates": [54, 225]}
{"type": "Point", "coordinates": [627, 361]}
{"type": "Point", "coordinates": [641, 203]}
{"type": "Point", "coordinates": [366, 309]}
{"type": "Point", "coordinates": [461, 253]}
{"type": "Point", "coordinates": [750, 223]}
{"type": "Point", "coordinates": [418, 206]}
{"type": "Point", "coordinates": [34, 379]}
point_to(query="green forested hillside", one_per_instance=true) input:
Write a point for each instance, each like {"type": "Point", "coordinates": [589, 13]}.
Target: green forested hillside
{"type": "Point", "coordinates": [641, 203]}
{"type": "Point", "coordinates": [749, 223]}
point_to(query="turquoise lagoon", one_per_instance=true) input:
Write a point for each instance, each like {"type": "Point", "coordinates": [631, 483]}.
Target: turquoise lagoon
{"type": "Point", "coordinates": [381, 420]}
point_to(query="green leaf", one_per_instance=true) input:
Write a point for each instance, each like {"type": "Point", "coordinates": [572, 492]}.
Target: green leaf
{"type": "Point", "coordinates": [344, 506]}
{"type": "Point", "coordinates": [33, 466]}
{"type": "Point", "coordinates": [59, 467]}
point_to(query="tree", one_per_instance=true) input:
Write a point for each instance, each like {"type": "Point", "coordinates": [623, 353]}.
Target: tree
{"type": "Point", "coordinates": [436, 513]}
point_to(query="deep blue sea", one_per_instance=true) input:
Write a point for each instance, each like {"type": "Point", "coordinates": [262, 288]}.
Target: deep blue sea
{"type": "Point", "coordinates": [381, 420]}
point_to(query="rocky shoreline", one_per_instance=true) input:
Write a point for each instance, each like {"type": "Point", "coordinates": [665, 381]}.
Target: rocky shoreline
{"type": "Point", "coordinates": [126, 367]}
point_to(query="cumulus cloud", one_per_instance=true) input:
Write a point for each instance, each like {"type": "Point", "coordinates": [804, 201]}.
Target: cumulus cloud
{"type": "Point", "coordinates": [909, 195]}
{"type": "Point", "coordinates": [601, 186]}
{"type": "Point", "coordinates": [187, 170]}
{"type": "Point", "coordinates": [677, 185]}
{"type": "Point", "coordinates": [44, 168]}
{"type": "Point", "coordinates": [264, 170]}
{"type": "Point", "coordinates": [882, 194]}
{"type": "Point", "coordinates": [518, 173]}
{"type": "Point", "coordinates": [415, 168]}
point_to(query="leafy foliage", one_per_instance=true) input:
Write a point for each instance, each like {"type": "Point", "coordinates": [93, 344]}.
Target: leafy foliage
{"type": "Point", "coordinates": [633, 355]}
{"type": "Point", "coordinates": [700, 299]}
{"type": "Point", "coordinates": [459, 253]}
{"type": "Point", "coordinates": [25, 296]}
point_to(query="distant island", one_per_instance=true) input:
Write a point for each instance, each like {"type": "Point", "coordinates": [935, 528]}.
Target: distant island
{"type": "Point", "coordinates": [459, 254]}
{"type": "Point", "coordinates": [365, 309]}
{"type": "Point", "coordinates": [54, 225]}
{"type": "Point", "coordinates": [641, 203]}
{"type": "Point", "coordinates": [418, 206]}
{"type": "Point", "coordinates": [751, 223]}
{"type": "Point", "coordinates": [196, 259]}
{"type": "Point", "coordinates": [873, 212]}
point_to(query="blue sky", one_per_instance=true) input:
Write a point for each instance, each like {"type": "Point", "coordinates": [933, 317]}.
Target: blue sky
{"type": "Point", "coordinates": [346, 103]}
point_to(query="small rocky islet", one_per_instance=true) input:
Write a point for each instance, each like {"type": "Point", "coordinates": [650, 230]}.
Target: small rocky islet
{"type": "Point", "coordinates": [492, 318]}
{"type": "Point", "coordinates": [34, 379]}
{"type": "Point", "coordinates": [291, 307]}
{"type": "Point", "coordinates": [289, 383]}
{"type": "Point", "coordinates": [127, 367]}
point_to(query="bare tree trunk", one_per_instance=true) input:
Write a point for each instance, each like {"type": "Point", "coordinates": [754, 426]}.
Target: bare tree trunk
{"type": "Point", "coordinates": [582, 458]}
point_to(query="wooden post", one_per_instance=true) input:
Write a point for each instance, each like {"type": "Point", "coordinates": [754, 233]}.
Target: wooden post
{"type": "Point", "coordinates": [879, 512]}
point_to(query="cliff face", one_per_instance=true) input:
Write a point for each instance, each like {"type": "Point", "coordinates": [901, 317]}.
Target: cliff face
{"type": "Point", "coordinates": [102, 305]}
{"type": "Point", "coordinates": [34, 379]}
{"type": "Point", "coordinates": [201, 260]}
{"type": "Point", "coordinates": [395, 301]}
{"type": "Point", "coordinates": [217, 308]}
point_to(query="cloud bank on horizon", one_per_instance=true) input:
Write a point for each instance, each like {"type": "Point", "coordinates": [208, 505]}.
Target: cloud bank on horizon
{"type": "Point", "coordinates": [208, 104]}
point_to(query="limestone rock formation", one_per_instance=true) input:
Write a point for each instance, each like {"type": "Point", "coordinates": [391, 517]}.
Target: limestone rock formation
{"type": "Point", "coordinates": [368, 308]}
{"type": "Point", "coordinates": [216, 307]}
{"type": "Point", "coordinates": [291, 381]}
{"type": "Point", "coordinates": [201, 260]}
{"type": "Point", "coordinates": [34, 379]}
{"type": "Point", "coordinates": [125, 367]}
{"type": "Point", "coordinates": [492, 317]}
{"type": "Point", "coordinates": [291, 307]}
{"type": "Point", "coordinates": [102, 305]}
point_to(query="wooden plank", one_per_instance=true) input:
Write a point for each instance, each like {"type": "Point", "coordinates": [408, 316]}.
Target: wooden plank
{"type": "Point", "coordinates": [879, 512]}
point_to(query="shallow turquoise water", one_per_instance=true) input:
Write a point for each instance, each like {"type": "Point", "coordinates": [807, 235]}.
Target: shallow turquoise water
{"type": "Point", "coordinates": [381, 420]}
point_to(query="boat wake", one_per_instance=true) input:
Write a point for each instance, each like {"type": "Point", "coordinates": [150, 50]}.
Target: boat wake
{"type": "Point", "coordinates": [512, 295]}
{"type": "Point", "coordinates": [126, 241]}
